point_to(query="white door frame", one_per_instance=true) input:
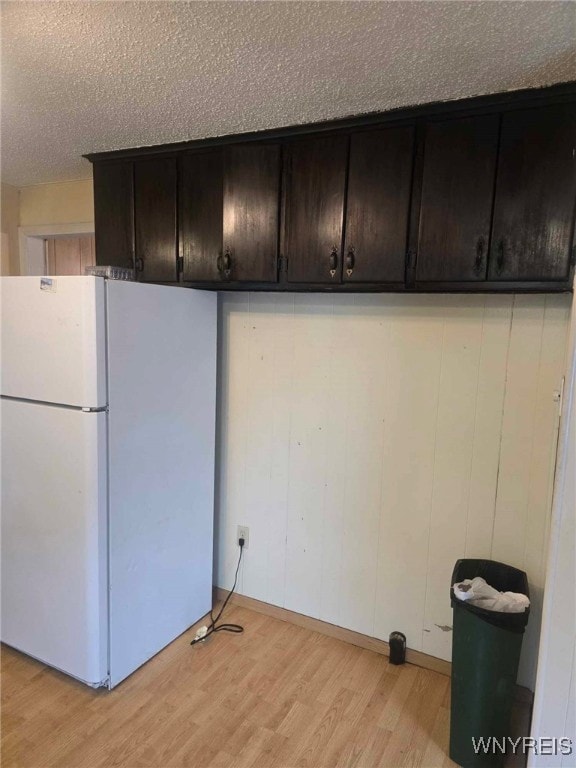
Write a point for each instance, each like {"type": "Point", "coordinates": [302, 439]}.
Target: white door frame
{"type": "Point", "coordinates": [553, 714]}
{"type": "Point", "coordinates": [28, 238]}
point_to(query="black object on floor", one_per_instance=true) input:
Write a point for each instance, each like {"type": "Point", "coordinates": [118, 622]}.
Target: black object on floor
{"type": "Point", "coordinates": [397, 643]}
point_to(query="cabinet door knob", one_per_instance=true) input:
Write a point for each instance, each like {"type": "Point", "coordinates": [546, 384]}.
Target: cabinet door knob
{"type": "Point", "coordinates": [350, 261]}
{"type": "Point", "coordinates": [501, 258]}
{"type": "Point", "coordinates": [478, 261]}
{"type": "Point", "coordinates": [139, 264]}
{"type": "Point", "coordinates": [333, 261]}
{"type": "Point", "coordinates": [227, 262]}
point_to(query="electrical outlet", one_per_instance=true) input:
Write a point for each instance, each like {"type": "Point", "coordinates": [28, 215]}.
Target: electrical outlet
{"type": "Point", "coordinates": [243, 533]}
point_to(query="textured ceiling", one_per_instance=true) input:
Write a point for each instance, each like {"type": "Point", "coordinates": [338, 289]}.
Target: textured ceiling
{"type": "Point", "coordinates": [87, 76]}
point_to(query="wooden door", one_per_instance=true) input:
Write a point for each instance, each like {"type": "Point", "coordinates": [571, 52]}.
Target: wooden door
{"type": "Point", "coordinates": [200, 205]}
{"type": "Point", "coordinates": [314, 209]}
{"type": "Point", "coordinates": [114, 213]}
{"type": "Point", "coordinates": [69, 255]}
{"type": "Point", "coordinates": [377, 208]}
{"type": "Point", "coordinates": [535, 195]}
{"type": "Point", "coordinates": [155, 219]}
{"type": "Point", "coordinates": [456, 203]}
{"type": "Point", "coordinates": [251, 212]}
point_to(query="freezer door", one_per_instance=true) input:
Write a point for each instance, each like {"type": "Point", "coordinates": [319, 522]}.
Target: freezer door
{"type": "Point", "coordinates": [53, 340]}
{"type": "Point", "coordinates": [54, 589]}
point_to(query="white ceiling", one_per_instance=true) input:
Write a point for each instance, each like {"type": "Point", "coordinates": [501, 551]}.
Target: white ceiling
{"type": "Point", "coordinates": [79, 77]}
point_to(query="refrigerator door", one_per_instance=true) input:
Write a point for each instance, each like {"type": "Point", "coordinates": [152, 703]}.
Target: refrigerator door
{"type": "Point", "coordinates": [54, 597]}
{"type": "Point", "coordinates": [162, 384]}
{"type": "Point", "coordinates": [53, 340]}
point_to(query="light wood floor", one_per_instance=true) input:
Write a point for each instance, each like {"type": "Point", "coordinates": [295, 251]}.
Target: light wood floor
{"type": "Point", "coordinates": [277, 696]}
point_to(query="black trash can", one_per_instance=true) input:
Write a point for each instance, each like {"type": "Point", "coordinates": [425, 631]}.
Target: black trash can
{"type": "Point", "coordinates": [485, 655]}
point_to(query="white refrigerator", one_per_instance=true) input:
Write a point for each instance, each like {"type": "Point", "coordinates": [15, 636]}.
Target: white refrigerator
{"type": "Point", "coordinates": [107, 457]}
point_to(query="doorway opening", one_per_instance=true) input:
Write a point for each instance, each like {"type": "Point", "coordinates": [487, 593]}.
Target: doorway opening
{"type": "Point", "coordinates": [61, 249]}
{"type": "Point", "coordinates": [69, 254]}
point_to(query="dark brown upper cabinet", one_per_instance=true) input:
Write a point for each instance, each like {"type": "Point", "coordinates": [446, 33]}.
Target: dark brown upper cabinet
{"type": "Point", "coordinates": [114, 213]}
{"type": "Point", "coordinates": [200, 217]}
{"type": "Point", "coordinates": [314, 208]}
{"type": "Point", "coordinates": [456, 203]}
{"type": "Point", "coordinates": [535, 194]}
{"type": "Point", "coordinates": [377, 208]}
{"type": "Point", "coordinates": [155, 219]}
{"type": "Point", "coordinates": [229, 213]}
{"type": "Point", "coordinates": [475, 195]}
{"type": "Point", "coordinates": [251, 211]}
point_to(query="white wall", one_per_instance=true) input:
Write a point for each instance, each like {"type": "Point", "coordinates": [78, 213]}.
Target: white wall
{"type": "Point", "coordinates": [371, 440]}
{"type": "Point", "coordinates": [555, 700]}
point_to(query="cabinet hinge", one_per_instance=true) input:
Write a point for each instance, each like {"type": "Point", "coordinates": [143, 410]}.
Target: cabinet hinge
{"type": "Point", "coordinates": [282, 264]}
{"type": "Point", "coordinates": [573, 259]}
{"type": "Point", "coordinates": [180, 264]}
{"type": "Point", "coordinates": [410, 260]}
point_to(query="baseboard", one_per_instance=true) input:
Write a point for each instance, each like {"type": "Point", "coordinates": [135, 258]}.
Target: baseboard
{"type": "Point", "coordinates": [340, 633]}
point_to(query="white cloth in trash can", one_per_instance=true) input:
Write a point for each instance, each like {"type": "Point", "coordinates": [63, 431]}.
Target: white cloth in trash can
{"type": "Point", "coordinates": [477, 592]}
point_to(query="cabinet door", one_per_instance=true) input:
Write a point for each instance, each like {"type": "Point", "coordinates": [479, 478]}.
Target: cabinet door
{"type": "Point", "coordinates": [251, 211]}
{"type": "Point", "coordinates": [114, 213]}
{"type": "Point", "coordinates": [200, 200]}
{"type": "Point", "coordinates": [314, 207]}
{"type": "Point", "coordinates": [456, 204]}
{"type": "Point", "coordinates": [378, 200]}
{"type": "Point", "coordinates": [155, 217]}
{"type": "Point", "coordinates": [535, 195]}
